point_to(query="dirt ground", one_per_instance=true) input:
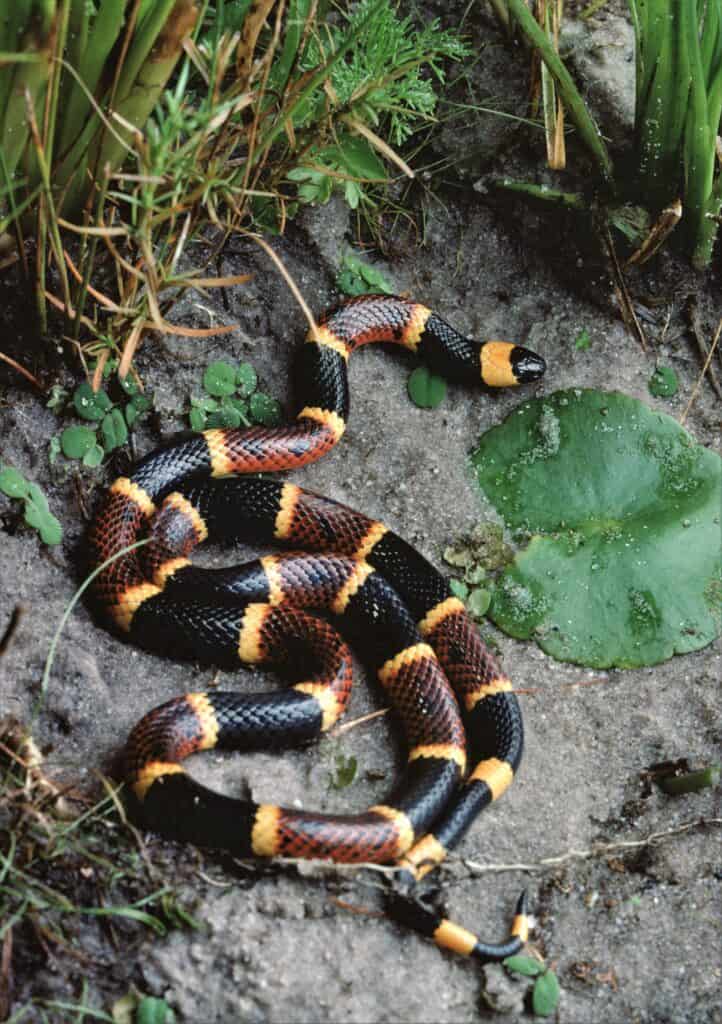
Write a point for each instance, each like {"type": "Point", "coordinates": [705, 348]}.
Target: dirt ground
{"type": "Point", "coordinates": [633, 934]}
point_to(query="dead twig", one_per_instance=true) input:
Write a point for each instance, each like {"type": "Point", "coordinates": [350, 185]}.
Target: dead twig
{"type": "Point", "coordinates": [698, 383]}
{"type": "Point", "coordinates": [620, 287]}
{"type": "Point", "coordinates": [594, 851]}
{"type": "Point", "coordinates": [698, 334]}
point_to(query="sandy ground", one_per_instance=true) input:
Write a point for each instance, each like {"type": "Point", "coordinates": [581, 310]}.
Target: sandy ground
{"type": "Point", "coordinates": [632, 935]}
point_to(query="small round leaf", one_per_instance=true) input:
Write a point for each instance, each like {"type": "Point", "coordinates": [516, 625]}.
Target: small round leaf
{"type": "Point", "coordinates": [13, 483]}
{"type": "Point", "coordinates": [246, 380]}
{"type": "Point", "coordinates": [459, 589]}
{"type": "Point", "coordinates": [94, 457]}
{"type": "Point", "coordinates": [114, 430]}
{"type": "Point", "coordinates": [89, 404]}
{"type": "Point", "coordinates": [663, 382]}
{"type": "Point", "coordinates": [76, 441]}
{"type": "Point", "coordinates": [197, 418]}
{"type": "Point", "coordinates": [219, 379]}
{"type": "Point", "coordinates": [478, 603]}
{"type": "Point", "coordinates": [426, 389]}
{"type": "Point", "coordinates": [265, 410]}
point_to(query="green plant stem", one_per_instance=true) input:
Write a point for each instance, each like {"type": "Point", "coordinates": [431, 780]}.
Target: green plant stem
{"type": "Point", "coordinates": [588, 131]}
{"type": "Point", "coordinates": [571, 200]}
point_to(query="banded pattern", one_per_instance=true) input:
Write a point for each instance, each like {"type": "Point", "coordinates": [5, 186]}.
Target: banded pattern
{"type": "Point", "coordinates": [455, 706]}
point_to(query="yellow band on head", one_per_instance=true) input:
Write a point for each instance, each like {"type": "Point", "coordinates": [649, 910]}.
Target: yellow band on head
{"type": "Point", "coordinates": [496, 367]}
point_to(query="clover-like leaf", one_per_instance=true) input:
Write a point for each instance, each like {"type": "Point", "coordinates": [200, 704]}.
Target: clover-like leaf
{"type": "Point", "coordinates": [12, 482]}
{"type": "Point", "coordinates": [76, 441]}
{"type": "Point", "coordinates": [219, 379]}
{"type": "Point", "coordinates": [246, 380]}
{"type": "Point", "coordinates": [89, 404]}
{"type": "Point", "coordinates": [114, 430]}
{"type": "Point", "coordinates": [663, 382]}
{"type": "Point", "coordinates": [426, 389]}
{"type": "Point", "coordinates": [623, 567]}
{"type": "Point", "coordinates": [264, 410]}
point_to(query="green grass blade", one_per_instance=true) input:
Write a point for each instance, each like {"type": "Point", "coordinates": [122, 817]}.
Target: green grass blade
{"type": "Point", "coordinates": [571, 97]}
{"type": "Point", "coordinates": [103, 35]}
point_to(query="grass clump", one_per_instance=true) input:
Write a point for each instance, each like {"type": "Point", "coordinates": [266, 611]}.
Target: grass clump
{"type": "Point", "coordinates": [677, 121]}
{"type": "Point", "coordinates": [75, 883]}
{"type": "Point", "coordinates": [154, 131]}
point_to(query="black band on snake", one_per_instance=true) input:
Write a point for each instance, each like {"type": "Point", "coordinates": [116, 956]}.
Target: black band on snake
{"type": "Point", "coordinates": [462, 723]}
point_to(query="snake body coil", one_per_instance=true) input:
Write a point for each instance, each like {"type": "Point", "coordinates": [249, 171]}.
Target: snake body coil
{"type": "Point", "coordinates": [462, 724]}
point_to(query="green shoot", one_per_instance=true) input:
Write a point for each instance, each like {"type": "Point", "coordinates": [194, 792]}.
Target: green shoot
{"type": "Point", "coordinates": [545, 991]}
{"type": "Point", "coordinates": [357, 277]}
{"type": "Point", "coordinates": [232, 399]}
{"type": "Point", "coordinates": [37, 511]}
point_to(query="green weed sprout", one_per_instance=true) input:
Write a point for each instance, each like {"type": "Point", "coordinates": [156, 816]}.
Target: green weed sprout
{"type": "Point", "coordinates": [37, 512]}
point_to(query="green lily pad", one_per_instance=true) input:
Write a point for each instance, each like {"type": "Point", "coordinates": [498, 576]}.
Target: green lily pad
{"type": "Point", "coordinates": [623, 567]}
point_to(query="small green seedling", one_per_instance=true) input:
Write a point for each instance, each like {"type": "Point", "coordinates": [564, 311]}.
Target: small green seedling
{"type": "Point", "coordinates": [37, 511]}
{"type": "Point", "coordinates": [482, 552]}
{"type": "Point", "coordinates": [356, 277]}
{"type": "Point", "coordinates": [582, 341]}
{"type": "Point", "coordinates": [154, 1011]}
{"type": "Point", "coordinates": [231, 399]}
{"type": "Point", "coordinates": [663, 382]}
{"type": "Point", "coordinates": [691, 782]}
{"type": "Point", "coordinates": [110, 420]}
{"type": "Point", "coordinates": [545, 993]}
{"type": "Point", "coordinates": [346, 768]}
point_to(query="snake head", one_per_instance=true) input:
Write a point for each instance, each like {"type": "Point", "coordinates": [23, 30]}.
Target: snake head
{"type": "Point", "coordinates": [504, 364]}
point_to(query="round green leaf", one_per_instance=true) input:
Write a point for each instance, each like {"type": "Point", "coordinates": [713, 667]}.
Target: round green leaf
{"type": "Point", "coordinates": [663, 382]}
{"type": "Point", "coordinates": [478, 603]}
{"type": "Point", "coordinates": [131, 414]}
{"type": "Point", "coordinates": [114, 430]}
{"type": "Point", "coordinates": [94, 457]}
{"type": "Point", "coordinates": [623, 567]}
{"type": "Point", "coordinates": [459, 589]}
{"type": "Point", "coordinates": [545, 995]}
{"type": "Point", "coordinates": [219, 379]}
{"type": "Point", "coordinates": [76, 441]}
{"type": "Point", "coordinates": [12, 482]}
{"type": "Point", "coordinates": [154, 1011]}
{"type": "Point", "coordinates": [89, 404]}
{"type": "Point", "coordinates": [141, 403]}
{"type": "Point", "coordinates": [265, 410]}
{"type": "Point", "coordinates": [228, 416]}
{"type": "Point", "coordinates": [426, 389]}
{"type": "Point", "coordinates": [197, 418]}
{"type": "Point", "coordinates": [129, 385]}
{"type": "Point", "coordinates": [246, 380]}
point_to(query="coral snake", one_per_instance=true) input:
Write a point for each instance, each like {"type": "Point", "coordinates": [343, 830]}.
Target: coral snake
{"type": "Point", "coordinates": [462, 724]}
